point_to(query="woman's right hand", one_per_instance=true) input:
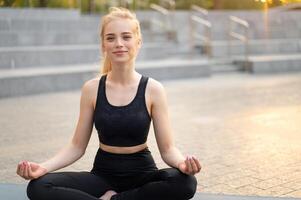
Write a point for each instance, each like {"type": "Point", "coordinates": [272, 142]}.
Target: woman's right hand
{"type": "Point", "coordinates": [30, 170]}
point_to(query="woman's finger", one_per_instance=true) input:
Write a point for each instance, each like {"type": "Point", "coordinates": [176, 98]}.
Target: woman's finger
{"type": "Point", "coordinates": [30, 173]}
{"type": "Point", "coordinates": [197, 163]}
{"type": "Point", "coordinates": [22, 170]}
{"type": "Point", "coordinates": [191, 162]}
{"type": "Point", "coordinates": [26, 171]}
{"type": "Point", "coordinates": [188, 164]}
{"type": "Point", "coordinates": [194, 166]}
{"type": "Point", "coordinates": [19, 168]}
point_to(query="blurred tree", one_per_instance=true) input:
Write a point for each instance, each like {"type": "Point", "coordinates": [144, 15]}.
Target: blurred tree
{"type": "Point", "coordinates": [218, 4]}
{"type": "Point", "coordinates": [88, 6]}
{"type": "Point", "coordinates": [6, 3]}
{"type": "Point", "coordinates": [42, 3]}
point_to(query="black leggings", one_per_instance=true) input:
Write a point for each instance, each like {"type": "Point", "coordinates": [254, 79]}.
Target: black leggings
{"type": "Point", "coordinates": [132, 176]}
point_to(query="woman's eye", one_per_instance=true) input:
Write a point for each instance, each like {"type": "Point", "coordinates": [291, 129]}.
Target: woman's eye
{"type": "Point", "coordinates": [110, 38]}
{"type": "Point", "coordinates": [127, 37]}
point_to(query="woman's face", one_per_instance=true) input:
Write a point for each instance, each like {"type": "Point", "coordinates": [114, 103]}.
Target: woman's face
{"type": "Point", "coordinates": [120, 43]}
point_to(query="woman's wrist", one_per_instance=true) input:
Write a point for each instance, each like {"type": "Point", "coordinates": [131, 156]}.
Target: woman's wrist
{"type": "Point", "coordinates": [44, 166]}
{"type": "Point", "coordinates": [179, 163]}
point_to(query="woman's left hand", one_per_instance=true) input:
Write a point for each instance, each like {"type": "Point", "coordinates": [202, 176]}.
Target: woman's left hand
{"type": "Point", "coordinates": [190, 166]}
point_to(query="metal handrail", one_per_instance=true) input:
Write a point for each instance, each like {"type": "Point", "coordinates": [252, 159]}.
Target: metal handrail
{"type": "Point", "coordinates": [201, 21]}
{"type": "Point", "coordinates": [160, 9]}
{"type": "Point", "coordinates": [194, 35]}
{"type": "Point", "coordinates": [164, 24]}
{"type": "Point", "coordinates": [242, 37]}
{"type": "Point", "coordinates": [239, 21]}
{"type": "Point", "coordinates": [171, 4]}
{"type": "Point", "coordinates": [199, 9]}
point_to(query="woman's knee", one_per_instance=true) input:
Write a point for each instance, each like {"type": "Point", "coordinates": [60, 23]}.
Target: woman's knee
{"type": "Point", "coordinates": [37, 187]}
{"type": "Point", "coordinates": [190, 185]}
{"type": "Point", "coordinates": [183, 185]}
{"type": "Point", "coordinates": [187, 185]}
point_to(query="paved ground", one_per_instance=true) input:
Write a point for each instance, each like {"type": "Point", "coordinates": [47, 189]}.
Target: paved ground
{"type": "Point", "coordinates": [18, 192]}
{"type": "Point", "coordinates": [245, 130]}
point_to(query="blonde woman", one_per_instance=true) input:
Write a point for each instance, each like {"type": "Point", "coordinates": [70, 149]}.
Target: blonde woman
{"type": "Point", "coordinates": [121, 104]}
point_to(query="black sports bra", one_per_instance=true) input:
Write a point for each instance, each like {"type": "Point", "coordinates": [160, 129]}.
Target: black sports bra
{"type": "Point", "coordinates": [122, 125]}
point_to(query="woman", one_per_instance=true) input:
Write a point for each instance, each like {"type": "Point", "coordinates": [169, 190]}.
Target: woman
{"type": "Point", "coordinates": [121, 104]}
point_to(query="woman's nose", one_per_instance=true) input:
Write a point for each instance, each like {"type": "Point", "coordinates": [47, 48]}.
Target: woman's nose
{"type": "Point", "coordinates": [119, 42]}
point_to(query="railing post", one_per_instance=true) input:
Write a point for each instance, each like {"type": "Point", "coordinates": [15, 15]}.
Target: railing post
{"type": "Point", "coordinates": [242, 37]}
{"type": "Point", "coordinates": [191, 33]}
{"type": "Point", "coordinates": [166, 25]}
{"type": "Point", "coordinates": [206, 36]}
{"type": "Point", "coordinates": [229, 38]}
{"type": "Point", "coordinates": [246, 65]}
{"type": "Point", "coordinates": [80, 5]}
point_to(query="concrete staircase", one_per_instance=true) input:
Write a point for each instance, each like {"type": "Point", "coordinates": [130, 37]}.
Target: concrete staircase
{"type": "Point", "coordinates": [273, 24]}
{"type": "Point", "coordinates": [34, 80]}
{"type": "Point", "coordinates": [52, 50]}
{"type": "Point", "coordinates": [42, 37]}
{"type": "Point", "coordinates": [35, 41]}
{"type": "Point", "coordinates": [40, 49]}
{"type": "Point", "coordinates": [220, 48]}
{"type": "Point", "coordinates": [276, 63]}
{"type": "Point", "coordinates": [274, 44]}
{"type": "Point", "coordinates": [264, 55]}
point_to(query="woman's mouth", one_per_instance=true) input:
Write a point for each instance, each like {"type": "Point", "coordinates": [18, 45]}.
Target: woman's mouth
{"type": "Point", "coordinates": [119, 52]}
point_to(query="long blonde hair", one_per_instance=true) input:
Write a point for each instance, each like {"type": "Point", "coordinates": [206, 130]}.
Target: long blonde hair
{"type": "Point", "coordinates": [116, 13]}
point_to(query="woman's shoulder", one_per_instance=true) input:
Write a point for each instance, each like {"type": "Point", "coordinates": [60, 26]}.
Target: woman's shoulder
{"type": "Point", "coordinates": [155, 87]}
{"type": "Point", "coordinates": [90, 87]}
{"type": "Point", "coordinates": [91, 84]}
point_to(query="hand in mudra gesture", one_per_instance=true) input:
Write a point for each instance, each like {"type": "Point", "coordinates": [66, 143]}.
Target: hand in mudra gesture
{"type": "Point", "coordinates": [190, 166]}
{"type": "Point", "coordinates": [30, 170]}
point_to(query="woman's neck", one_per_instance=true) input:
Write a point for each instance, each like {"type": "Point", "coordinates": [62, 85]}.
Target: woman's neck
{"type": "Point", "coordinates": [123, 74]}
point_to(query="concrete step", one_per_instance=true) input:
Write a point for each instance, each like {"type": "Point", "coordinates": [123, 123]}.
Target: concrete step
{"type": "Point", "coordinates": [39, 13]}
{"type": "Point", "coordinates": [40, 38]}
{"type": "Point", "coordinates": [18, 192]}
{"type": "Point", "coordinates": [255, 47]}
{"type": "Point", "coordinates": [49, 24]}
{"type": "Point", "coordinates": [149, 36]}
{"type": "Point", "coordinates": [20, 57]}
{"type": "Point", "coordinates": [271, 63]}
{"type": "Point", "coordinates": [285, 25]}
{"type": "Point", "coordinates": [272, 34]}
{"type": "Point", "coordinates": [225, 68]}
{"type": "Point", "coordinates": [31, 56]}
{"type": "Point", "coordinates": [224, 65]}
{"type": "Point", "coordinates": [28, 81]}
{"type": "Point", "coordinates": [64, 37]}
{"type": "Point", "coordinates": [221, 33]}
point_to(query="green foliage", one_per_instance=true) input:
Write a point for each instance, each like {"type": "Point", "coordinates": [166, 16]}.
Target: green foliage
{"type": "Point", "coordinates": [88, 6]}
{"type": "Point", "coordinates": [63, 3]}
{"type": "Point", "coordinates": [40, 3]}
{"type": "Point", "coordinates": [239, 4]}
{"type": "Point", "coordinates": [186, 4]}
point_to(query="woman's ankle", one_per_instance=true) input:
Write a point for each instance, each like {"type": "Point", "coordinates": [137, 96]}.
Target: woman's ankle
{"type": "Point", "coordinates": [108, 195]}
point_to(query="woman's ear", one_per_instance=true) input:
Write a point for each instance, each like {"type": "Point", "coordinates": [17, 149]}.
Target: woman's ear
{"type": "Point", "coordinates": [139, 43]}
{"type": "Point", "coordinates": [102, 48]}
{"type": "Point", "coordinates": [104, 53]}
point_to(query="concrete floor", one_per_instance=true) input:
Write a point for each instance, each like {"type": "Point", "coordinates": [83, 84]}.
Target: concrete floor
{"type": "Point", "coordinates": [245, 130]}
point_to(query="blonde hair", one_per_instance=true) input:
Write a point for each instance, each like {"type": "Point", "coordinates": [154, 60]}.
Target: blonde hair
{"type": "Point", "coordinates": [116, 13]}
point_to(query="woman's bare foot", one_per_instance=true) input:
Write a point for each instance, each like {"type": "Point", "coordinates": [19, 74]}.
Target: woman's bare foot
{"type": "Point", "coordinates": [108, 195]}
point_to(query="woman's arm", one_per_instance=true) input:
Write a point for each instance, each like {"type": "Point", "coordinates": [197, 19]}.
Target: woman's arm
{"type": "Point", "coordinates": [162, 128]}
{"type": "Point", "coordinates": [75, 149]}
{"type": "Point", "coordinates": [78, 144]}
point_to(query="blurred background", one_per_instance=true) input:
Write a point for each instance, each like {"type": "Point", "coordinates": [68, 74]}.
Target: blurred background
{"type": "Point", "coordinates": [231, 69]}
{"type": "Point", "coordinates": [88, 6]}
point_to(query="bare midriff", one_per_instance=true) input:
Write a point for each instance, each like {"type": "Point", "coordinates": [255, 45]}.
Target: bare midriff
{"type": "Point", "coordinates": [122, 150]}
